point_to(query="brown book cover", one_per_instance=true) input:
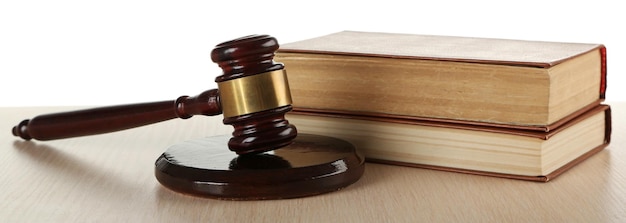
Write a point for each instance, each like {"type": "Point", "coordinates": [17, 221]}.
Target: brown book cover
{"type": "Point", "coordinates": [431, 47]}
{"type": "Point", "coordinates": [499, 129]}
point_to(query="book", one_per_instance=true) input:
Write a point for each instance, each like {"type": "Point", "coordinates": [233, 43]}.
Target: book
{"type": "Point", "coordinates": [499, 82]}
{"type": "Point", "coordinates": [475, 149]}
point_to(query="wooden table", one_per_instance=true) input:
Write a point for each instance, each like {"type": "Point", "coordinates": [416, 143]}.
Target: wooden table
{"type": "Point", "coordinates": [109, 178]}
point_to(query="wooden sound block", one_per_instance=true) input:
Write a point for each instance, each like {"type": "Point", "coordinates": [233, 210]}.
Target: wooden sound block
{"type": "Point", "coordinates": [311, 165]}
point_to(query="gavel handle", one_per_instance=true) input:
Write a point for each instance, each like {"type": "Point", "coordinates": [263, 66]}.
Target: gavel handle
{"type": "Point", "coordinates": [115, 118]}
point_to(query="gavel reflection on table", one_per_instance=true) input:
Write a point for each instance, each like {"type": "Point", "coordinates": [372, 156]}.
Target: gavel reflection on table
{"type": "Point", "coordinates": [270, 160]}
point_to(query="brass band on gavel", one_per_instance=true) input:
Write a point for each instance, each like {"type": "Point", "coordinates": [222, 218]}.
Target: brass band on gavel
{"type": "Point", "coordinates": [254, 93]}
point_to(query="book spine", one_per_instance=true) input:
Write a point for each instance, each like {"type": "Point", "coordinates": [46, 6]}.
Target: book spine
{"type": "Point", "coordinates": [603, 72]}
{"type": "Point", "coordinates": [608, 125]}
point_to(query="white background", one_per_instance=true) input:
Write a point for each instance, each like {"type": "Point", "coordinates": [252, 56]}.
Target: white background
{"type": "Point", "coordinates": [116, 52]}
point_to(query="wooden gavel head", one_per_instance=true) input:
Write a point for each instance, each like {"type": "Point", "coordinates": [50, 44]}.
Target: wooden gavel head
{"type": "Point", "coordinates": [254, 94]}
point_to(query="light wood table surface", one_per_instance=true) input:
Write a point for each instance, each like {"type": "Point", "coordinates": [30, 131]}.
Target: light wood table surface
{"type": "Point", "coordinates": [110, 178]}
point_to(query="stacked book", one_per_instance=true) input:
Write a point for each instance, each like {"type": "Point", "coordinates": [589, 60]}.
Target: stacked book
{"type": "Point", "coordinates": [507, 108]}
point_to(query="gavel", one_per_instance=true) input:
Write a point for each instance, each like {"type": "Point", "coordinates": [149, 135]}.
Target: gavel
{"type": "Point", "coordinates": [271, 160]}
{"type": "Point", "coordinates": [253, 95]}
